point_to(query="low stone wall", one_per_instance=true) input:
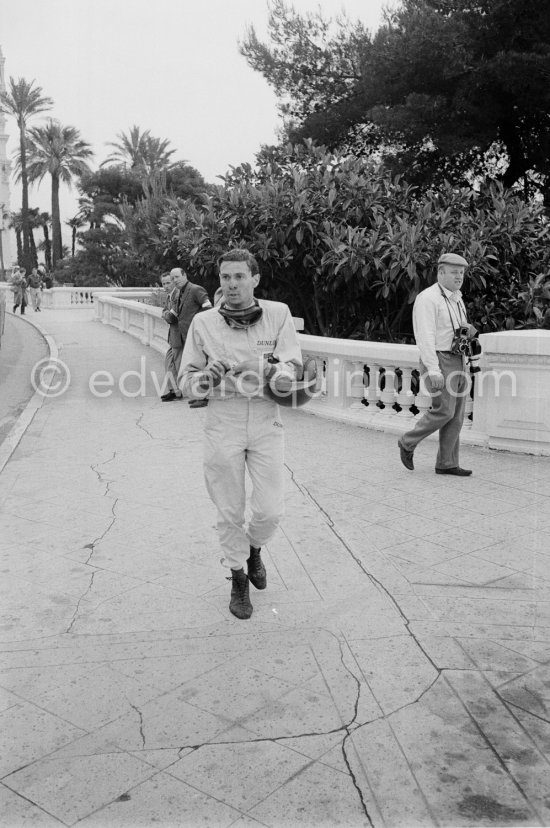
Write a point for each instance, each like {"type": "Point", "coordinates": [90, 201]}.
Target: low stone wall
{"type": "Point", "coordinates": [376, 385]}
{"type": "Point", "coordinates": [66, 296]}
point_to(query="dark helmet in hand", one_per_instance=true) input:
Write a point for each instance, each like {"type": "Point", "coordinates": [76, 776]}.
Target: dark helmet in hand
{"type": "Point", "coordinates": [294, 393]}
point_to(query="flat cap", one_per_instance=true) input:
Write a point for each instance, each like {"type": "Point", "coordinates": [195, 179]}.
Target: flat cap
{"type": "Point", "coordinates": [452, 259]}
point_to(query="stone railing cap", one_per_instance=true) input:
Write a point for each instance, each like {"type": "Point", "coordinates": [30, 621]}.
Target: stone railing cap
{"type": "Point", "coordinates": [532, 341]}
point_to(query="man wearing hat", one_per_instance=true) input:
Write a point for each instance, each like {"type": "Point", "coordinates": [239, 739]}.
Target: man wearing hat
{"type": "Point", "coordinates": [438, 311]}
{"type": "Point", "coordinates": [231, 353]}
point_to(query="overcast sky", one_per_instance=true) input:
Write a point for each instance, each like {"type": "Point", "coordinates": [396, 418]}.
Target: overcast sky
{"type": "Point", "coordinates": [171, 66]}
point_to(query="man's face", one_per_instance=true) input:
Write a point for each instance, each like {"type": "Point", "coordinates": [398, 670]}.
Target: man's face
{"type": "Point", "coordinates": [179, 279]}
{"type": "Point", "coordinates": [451, 276]}
{"type": "Point", "coordinates": [237, 284]}
{"type": "Point", "coordinates": [166, 282]}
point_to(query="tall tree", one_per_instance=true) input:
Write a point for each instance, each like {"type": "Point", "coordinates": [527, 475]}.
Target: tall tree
{"type": "Point", "coordinates": [140, 151]}
{"type": "Point", "coordinates": [35, 223]}
{"type": "Point", "coordinates": [46, 246]}
{"type": "Point", "coordinates": [59, 151]}
{"type": "Point", "coordinates": [312, 62]}
{"type": "Point", "coordinates": [15, 222]}
{"type": "Point", "coordinates": [451, 86]}
{"type": "Point", "coordinates": [75, 223]}
{"type": "Point", "coordinates": [23, 100]}
{"type": "Point", "coordinates": [104, 190]}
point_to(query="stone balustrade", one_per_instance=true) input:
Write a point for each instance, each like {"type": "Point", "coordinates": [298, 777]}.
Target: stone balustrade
{"type": "Point", "coordinates": [66, 296]}
{"type": "Point", "coordinates": [512, 403]}
{"type": "Point", "coordinates": [132, 316]}
{"type": "Point", "coordinates": [377, 385]}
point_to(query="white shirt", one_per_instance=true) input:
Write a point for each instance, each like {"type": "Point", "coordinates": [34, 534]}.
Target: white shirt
{"type": "Point", "coordinates": [210, 338]}
{"type": "Point", "coordinates": [434, 321]}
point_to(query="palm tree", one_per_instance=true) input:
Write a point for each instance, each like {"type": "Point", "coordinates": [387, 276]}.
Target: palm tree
{"type": "Point", "coordinates": [23, 100]}
{"type": "Point", "coordinates": [59, 151]}
{"type": "Point", "coordinates": [140, 151]}
{"type": "Point", "coordinates": [35, 222]}
{"type": "Point", "coordinates": [75, 223]}
{"type": "Point", "coordinates": [16, 223]}
{"type": "Point", "coordinates": [46, 245]}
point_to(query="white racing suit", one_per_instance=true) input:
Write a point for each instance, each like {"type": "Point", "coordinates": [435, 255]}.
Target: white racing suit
{"type": "Point", "coordinates": [243, 427]}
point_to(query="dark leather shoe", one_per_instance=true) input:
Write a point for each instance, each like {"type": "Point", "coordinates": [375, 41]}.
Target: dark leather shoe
{"type": "Point", "coordinates": [456, 470]}
{"type": "Point", "coordinates": [256, 569]}
{"type": "Point", "coordinates": [240, 604]}
{"type": "Point", "coordinates": [406, 456]}
{"type": "Point", "coordinates": [171, 395]}
{"type": "Point", "coordinates": [198, 403]}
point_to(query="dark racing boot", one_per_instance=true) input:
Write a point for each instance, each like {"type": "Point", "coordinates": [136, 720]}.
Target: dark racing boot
{"type": "Point", "coordinates": [256, 569]}
{"type": "Point", "coordinates": [240, 604]}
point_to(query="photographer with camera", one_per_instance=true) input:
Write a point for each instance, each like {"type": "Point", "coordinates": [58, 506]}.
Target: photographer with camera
{"type": "Point", "coordinates": [445, 341]}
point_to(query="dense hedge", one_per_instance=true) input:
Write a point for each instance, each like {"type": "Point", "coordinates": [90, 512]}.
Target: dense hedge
{"type": "Point", "coordinates": [348, 247]}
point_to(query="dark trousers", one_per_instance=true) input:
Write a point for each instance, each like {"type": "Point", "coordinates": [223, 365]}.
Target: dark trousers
{"type": "Point", "coordinates": [172, 362]}
{"type": "Point", "coordinates": [446, 414]}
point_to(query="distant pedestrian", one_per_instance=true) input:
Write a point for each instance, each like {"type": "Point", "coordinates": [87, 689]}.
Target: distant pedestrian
{"type": "Point", "coordinates": [35, 289]}
{"type": "Point", "coordinates": [19, 287]}
{"type": "Point", "coordinates": [184, 301]}
{"type": "Point", "coordinates": [169, 316]}
{"type": "Point", "coordinates": [47, 280]}
{"type": "Point", "coordinates": [439, 319]}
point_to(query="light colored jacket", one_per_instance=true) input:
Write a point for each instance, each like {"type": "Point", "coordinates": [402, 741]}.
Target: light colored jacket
{"type": "Point", "coordinates": [210, 339]}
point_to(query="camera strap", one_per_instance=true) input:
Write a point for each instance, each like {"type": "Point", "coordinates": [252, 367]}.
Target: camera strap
{"type": "Point", "coordinates": [461, 310]}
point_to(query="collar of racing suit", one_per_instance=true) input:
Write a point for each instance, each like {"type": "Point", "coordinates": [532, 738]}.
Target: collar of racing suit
{"type": "Point", "coordinates": [241, 317]}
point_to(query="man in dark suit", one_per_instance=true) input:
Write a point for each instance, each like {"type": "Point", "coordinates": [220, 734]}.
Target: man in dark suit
{"type": "Point", "coordinates": [184, 301]}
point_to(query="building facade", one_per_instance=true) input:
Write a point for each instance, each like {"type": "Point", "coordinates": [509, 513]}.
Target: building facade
{"type": "Point", "coordinates": [5, 170]}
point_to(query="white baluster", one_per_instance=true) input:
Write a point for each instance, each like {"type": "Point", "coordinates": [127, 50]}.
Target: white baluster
{"type": "Point", "coordinates": [355, 389]}
{"type": "Point", "coordinates": [405, 397]}
{"type": "Point", "coordinates": [373, 390]}
{"type": "Point", "coordinates": [388, 393]}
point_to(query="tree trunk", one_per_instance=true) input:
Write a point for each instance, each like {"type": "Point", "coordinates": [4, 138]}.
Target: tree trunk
{"type": "Point", "coordinates": [26, 257]}
{"type": "Point", "coordinates": [34, 255]}
{"type": "Point", "coordinates": [47, 248]}
{"type": "Point", "coordinates": [19, 247]}
{"type": "Point", "coordinates": [73, 247]}
{"type": "Point", "coordinates": [57, 243]}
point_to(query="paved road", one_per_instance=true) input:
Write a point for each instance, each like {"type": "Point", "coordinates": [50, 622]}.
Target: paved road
{"type": "Point", "coordinates": [394, 673]}
{"type": "Point", "coordinates": [22, 347]}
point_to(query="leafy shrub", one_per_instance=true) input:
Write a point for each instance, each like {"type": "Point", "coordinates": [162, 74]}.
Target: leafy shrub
{"type": "Point", "coordinates": [348, 247]}
{"type": "Point", "coordinates": [342, 242]}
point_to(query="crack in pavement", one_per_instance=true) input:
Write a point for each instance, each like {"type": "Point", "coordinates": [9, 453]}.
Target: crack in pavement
{"type": "Point", "coordinates": [138, 423]}
{"type": "Point", "coordinates": [91, 546]}
{"type": "Point", "coordinates": [140, 714]}
{"type": "Point", "coordinates": [493, 749]}
{"type": "Point", "coordinates": [332, 526]}
{"type": "Point", "coordinates": [99, 475]}
{"type": "Point", "coordinates": [349, 731]}
{"type": "Point", "coordinates": [82, 597]}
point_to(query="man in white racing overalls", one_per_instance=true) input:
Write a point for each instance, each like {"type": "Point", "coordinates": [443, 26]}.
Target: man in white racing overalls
{"type": "Point", "coordinates": [230, 353]}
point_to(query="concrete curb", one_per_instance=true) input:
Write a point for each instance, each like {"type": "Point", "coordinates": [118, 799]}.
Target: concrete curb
{"type": "Point", "coordinates": [26, 417]}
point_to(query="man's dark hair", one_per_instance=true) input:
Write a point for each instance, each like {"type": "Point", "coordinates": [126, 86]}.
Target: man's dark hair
{"type": "Point", "coordinates": [239, 254]}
